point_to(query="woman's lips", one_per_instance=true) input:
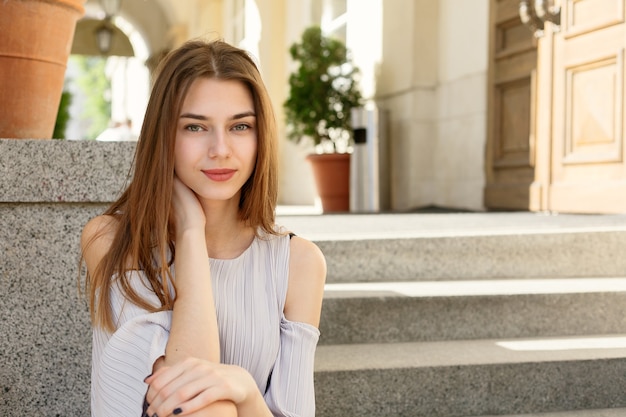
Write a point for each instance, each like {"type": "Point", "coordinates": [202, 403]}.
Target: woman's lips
{"type": "Point", "coordinates": [219, 174]}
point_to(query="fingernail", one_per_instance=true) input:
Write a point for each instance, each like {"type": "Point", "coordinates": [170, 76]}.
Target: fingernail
{"type": "Point", "coordinates": [144, 380]}
{"type": "Point", "coordinates": [178, 411]}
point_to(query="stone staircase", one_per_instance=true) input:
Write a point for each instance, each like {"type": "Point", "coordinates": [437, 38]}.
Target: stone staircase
{"type": "Point", "coordinates": [471, 315]}
{"type": "Point", "coordinates": [425, 314]}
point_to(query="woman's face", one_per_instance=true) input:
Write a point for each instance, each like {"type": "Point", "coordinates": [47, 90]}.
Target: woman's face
{"type": "Point", "coordinates": [216, 139]}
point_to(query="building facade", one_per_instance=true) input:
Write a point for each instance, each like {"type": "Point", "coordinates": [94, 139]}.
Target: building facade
{"type": "Point", "coordinates": [480, 113]}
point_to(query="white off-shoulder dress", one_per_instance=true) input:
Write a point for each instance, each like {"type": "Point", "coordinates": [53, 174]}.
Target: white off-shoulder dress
{"type": "Point", "coordinates": [249, 293]}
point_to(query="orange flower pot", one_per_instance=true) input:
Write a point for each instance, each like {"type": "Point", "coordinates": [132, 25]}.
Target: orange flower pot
{"type": "Point", "coordinates": [35, 43]}
{"type": "Point", "coordinates": [332, 178]}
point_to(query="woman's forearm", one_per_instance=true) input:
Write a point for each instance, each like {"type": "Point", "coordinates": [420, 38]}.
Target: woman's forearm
{"type": "Point", "coordinates": [194, 331]}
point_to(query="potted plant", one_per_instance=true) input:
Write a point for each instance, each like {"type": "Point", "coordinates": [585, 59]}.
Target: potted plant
{"type": "Point", "coordinates": [35, 43]}
{"type": "Point", "coordinates": [322, 92]}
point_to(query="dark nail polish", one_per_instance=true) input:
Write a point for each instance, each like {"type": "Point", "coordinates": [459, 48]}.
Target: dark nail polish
{"type": "Point", "coordinates": [178, 411]}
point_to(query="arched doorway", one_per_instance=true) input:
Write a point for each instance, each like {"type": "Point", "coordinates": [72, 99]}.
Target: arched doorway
{"type": "Point", "coordinates": [125, 65]}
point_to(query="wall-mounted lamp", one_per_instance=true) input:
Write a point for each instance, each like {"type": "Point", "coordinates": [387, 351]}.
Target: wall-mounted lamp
{"type": "Point", "coordinates": [529, 18]}
{"type": "Point", "coordinates": [534, 13]}
{"type": "Point", "coordinates": [104, 32]}
{"type": "Point", "coordinates": [104, 36]}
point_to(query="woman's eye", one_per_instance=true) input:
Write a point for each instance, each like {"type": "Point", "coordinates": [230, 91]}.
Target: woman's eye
{"type": "Point", "coordinates": [193, 128]}
{"type": "Point", "coordinates": [241, 127]}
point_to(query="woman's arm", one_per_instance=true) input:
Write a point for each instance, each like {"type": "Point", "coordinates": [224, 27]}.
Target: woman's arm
{"type": "Point", "coordinates": [307, 276]}
{"type": "Point", "coordinates": [291, 389]}
{"type": "Point", "coordinates": [194, 332]}
{"type": "Point", "coordinates": [121, 359]}
{"type": "Point", "coordinates": [96, 240]}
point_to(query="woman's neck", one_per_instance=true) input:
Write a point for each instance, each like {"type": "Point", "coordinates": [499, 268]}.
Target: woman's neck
{"type": "Point", "coordinates": [227, 236]}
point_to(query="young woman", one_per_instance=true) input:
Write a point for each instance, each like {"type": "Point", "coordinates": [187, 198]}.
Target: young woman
{"type": "Point", "coordinates": [201, 305]}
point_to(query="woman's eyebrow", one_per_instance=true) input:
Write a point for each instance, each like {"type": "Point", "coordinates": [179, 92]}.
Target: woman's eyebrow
{"type": "Point", "coordinates": [193, 116]}
{"type": "Point", "coordinates": [201, 117]}
{"type": "Point", "coordinates": [245, 114]}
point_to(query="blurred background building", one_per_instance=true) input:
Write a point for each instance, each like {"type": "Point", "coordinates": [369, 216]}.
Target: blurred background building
{"type": "Point", "coordinates": [483, 114]}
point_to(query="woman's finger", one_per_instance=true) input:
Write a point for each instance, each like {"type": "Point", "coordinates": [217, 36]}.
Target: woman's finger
{"type": "Point", "coordinates": [175, 384]}
{"type": "Point", "coordinates": [189, 392]}
{"type": "Point", "coordinates": [207, 396]}
{"type": "Point", "coordinates": [162, 384]}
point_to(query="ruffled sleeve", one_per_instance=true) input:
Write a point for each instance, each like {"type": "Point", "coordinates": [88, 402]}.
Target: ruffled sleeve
{"type": "Point", "coordinates": [290, 392]}
{"type": "Point", "coordinates": [121, 360]}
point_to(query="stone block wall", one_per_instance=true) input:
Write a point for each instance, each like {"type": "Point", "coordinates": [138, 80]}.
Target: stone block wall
{"type": "Point", "coordinates": [48, 190]}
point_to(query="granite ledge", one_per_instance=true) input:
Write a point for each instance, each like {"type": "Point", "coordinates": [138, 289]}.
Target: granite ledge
{"type": "Point", "coordinates": [38, 171]}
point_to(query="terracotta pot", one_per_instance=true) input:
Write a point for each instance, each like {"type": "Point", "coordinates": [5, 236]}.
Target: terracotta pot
{"type": "Point", "coordinates": [332, 178]}
{"type": "Point", "coordinates": [35, 43]}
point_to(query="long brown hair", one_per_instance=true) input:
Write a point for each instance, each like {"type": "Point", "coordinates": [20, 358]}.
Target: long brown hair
{"type": "Point", "coordinates": [144, 237]}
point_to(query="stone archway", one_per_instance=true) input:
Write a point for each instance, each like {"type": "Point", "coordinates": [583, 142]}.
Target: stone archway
{"type": "Point", "coordinates": [140, 37]}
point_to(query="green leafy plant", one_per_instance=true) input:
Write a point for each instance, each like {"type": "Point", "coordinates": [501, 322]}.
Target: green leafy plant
{"type": "Point", "coordinates": [322, 91]}
{"type": "Point", "coordinates": [63, 116]}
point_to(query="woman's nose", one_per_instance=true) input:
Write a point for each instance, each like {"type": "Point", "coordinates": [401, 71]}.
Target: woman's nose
{"type": "Point", "coordinates": [219, 146]}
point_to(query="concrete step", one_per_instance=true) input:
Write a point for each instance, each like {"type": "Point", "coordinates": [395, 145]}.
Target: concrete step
{"type": "Point", "coordinates": [461, 315]}
{"type": "Point", "coordinates": [607, 412]}
{"type": "Point", "coordinates": [453, 310]}
{"type": "Point", "coordinates": [471, 378]}
{"type": "Point", "coordinates": [408, 247]}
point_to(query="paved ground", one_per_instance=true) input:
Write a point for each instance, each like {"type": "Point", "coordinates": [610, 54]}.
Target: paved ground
{"type": "Point", "coordinates": [307, 222]}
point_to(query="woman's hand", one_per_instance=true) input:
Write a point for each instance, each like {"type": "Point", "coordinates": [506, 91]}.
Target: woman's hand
{"type": "Point", "coordinates": [188, 212]}
{"type": "Point", "coordinates": [193, 384]}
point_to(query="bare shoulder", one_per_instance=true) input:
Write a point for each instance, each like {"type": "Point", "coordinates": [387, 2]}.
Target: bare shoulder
{"type": "Point", "coordinates": [307, 275]}
{"type": "Point", "coordinates": [96, 239]}
{"type": "Point", "coordinates": [303, 252]}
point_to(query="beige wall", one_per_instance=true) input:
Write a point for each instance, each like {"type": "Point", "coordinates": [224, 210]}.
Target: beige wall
{"type": "Point", "coordinates": [462, 97]}
{"type": "Point", "coordinates": [407, 90]}
{"type": "Point", "coordinates": [433, 84]}
{"type": "Point", "coordinates": [296, 181]}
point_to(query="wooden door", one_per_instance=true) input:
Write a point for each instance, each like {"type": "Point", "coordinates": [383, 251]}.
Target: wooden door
{"type": "Point", "coordinates": [511, 117]}
{"type": "Point", "coordinates": [585, 135]}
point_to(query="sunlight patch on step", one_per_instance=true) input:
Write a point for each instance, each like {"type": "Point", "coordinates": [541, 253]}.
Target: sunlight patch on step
{"type": "Point", "coordinates": [565, 344]}
{"type": "Point", "coordinates": [476, 288]}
